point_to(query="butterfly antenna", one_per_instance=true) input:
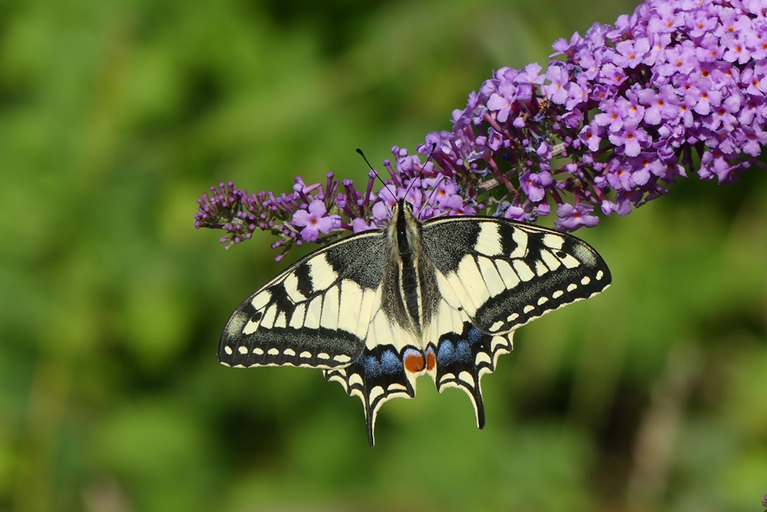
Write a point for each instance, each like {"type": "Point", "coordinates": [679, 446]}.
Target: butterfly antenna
{"type": "Point", "coordinates": [394, 195]}
{"type": "Point", "coordinates": [417, 176]}
{"type": "Point", "coordinates": [436, 189]}
{"type": "Point", "coordinates": [387, 186]}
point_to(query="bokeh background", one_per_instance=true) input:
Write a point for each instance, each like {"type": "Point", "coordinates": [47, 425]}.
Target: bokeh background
{"type": "Point", "coordinates": [116, 115]}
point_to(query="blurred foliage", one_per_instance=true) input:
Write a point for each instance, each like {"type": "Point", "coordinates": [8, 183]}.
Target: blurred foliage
{"type": "Point", "coordinates": [115, 115]}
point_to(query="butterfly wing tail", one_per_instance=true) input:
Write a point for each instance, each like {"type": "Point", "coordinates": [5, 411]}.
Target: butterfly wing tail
{"type": "Point", "coordinates": [463, 357]}
{"type": "Point", "coordinates": [373, 388]}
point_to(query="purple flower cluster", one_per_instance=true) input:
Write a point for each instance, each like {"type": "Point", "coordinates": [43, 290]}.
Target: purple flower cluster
{"type": "Point", "coordinates": [676, 88]}
{"type": "Point", "coordinates": [322, 212]}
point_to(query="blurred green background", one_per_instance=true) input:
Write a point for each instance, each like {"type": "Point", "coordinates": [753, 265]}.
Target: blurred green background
{"type": "Point", "coordinates": [116, 115]}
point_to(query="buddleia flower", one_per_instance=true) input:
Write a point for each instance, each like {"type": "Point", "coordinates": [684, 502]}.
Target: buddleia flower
{"type": "Point", "coordinates": [618, 114]}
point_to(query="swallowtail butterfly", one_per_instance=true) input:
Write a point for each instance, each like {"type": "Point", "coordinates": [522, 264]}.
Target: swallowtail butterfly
{"type": "Point", "coordinates": [377, 309]}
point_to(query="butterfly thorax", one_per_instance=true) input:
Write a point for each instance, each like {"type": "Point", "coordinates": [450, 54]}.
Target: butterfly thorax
{"type": "Point", "coordinates": [409, 279]}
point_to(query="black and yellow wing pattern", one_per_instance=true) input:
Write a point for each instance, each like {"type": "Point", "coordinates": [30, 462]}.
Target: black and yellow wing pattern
{"type": "Point", "coordinates": [378, 309]}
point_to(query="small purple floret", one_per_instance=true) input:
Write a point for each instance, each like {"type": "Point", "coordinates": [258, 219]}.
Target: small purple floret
{"type": "Point", "coordinates": [314, 221]}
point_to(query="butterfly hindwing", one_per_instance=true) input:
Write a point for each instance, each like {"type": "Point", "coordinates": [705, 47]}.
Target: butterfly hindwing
{"type": "Point", "coordinates": [316, 313]}
{"type": "Point", "coordinates": [492, 278]}
{"type": "Point", "coordinates": [462, 354]}
{"type": "Point", "coordinates": [370, 379]}
{"type": "Point", "coordinates": [386, 369]}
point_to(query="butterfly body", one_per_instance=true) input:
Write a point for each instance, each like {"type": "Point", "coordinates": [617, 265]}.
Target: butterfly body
{"type": "Point", "coordinates": [378, 309]}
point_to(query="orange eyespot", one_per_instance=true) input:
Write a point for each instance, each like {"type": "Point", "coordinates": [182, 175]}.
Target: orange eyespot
{"type": "Point", "coordinates": [431, 360]}
{"type": "Point", "coordinates": [414, 361]}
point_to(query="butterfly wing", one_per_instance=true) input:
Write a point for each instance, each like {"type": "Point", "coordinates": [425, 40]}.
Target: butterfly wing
{"type": "Point", "coordinates": [317, 313]}
{"type": "Point", "coordinates": [325, 311]}
{"type": "Point", "coordinates": [386, 369]}
{"type": "Point", "coordinates": [462, 353]}
{"type": "Point", "coordinates": [493, 277]}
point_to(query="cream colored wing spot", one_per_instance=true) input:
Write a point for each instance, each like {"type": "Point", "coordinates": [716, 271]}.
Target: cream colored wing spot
{"type": "Point", "coordinates": [298, 317]}
{"type": "Point", "coordinates": [524, 272]}
{"type": "Point", "coordinates": [251, 327]}
{"type": "Point", "coordinates": [355, 380]}
{"type": "Point", "coordinates": [490, 276]}
{"type": "Point", "coordinates": [467, 378]}
{"type": "Point", "coordinates": [322, 274]}
{"type": "Point", "coordinates": [520, 238]}
{"type": "Point", "coordinates": [569, 261]}
{"type": "Point", "coordinates": [350, 301]}
{"type": "Point", "coordinates": [313, 311]}
{"type": "Point", "coordinates": [500, 342]}
{"type": "Point", "coordinates": [488, 240]}
{"type": "Point", "coordinates": [375, 393]}
{"type": "Point", "coordinates": [472, 281]}
{"type": "Point", "coordinates": [551, 261]}
{"type": "Point", "coordinates": [269, 317]}
{"type": "Point", "coordinates": [510, 278]}
{"type": "Point", "coordinates": [483, 357]}
{"type": "Point", "coordinates": [291, 288]}
{"type": "Point", "coordinates": [555, 242]}
{"type": "Point", "coordinates": [261, 300]}
{"type": "Point", "coordinates": [329, 314]}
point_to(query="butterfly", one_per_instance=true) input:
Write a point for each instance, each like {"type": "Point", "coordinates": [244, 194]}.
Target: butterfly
{"type": "Point", "coordinates": [379, 308]}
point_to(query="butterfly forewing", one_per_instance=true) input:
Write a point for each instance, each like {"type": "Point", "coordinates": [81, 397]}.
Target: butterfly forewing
{"type": "Point", "coordinates": [504, 274]}
{"type": "Point", "coordinates": [316, 313]}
